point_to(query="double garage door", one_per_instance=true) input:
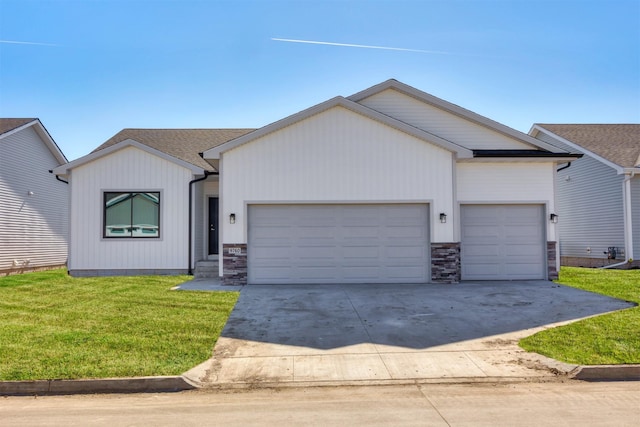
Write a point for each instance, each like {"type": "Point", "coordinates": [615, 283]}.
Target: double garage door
{"type": "Point", "coordinates": [503, 242]}
{"type": "Point", "coordinates": [389, 243]}
{"type": "Point", "coordinates": [368, 243]}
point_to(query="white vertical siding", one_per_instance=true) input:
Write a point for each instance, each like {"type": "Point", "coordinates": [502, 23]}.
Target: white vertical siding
{"type": "Point", "coordinates": [495, 183]}
{"type": "Point", "coordinates": [444, 124]}
{"type": "Point", "coordinates": [32, 228]}
{"type": "Point", "coordinates": [336, 156]}
{"type": "Point", "coordinates": [199, 222]}
{"type": "Point", "coordinates": [590, 206]}
{"type": "Point", "coordinates": [124, 170]}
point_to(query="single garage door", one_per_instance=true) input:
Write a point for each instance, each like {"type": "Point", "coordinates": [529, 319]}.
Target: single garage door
{"type": "Point", "coordinates": [503, 242]}
{"type": "Point", "coordinates": [338, 244]}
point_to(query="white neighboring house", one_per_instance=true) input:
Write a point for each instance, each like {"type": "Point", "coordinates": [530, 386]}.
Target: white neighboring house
{"type": "Point", "coordinates": [598, 195]}
{"type": "Point", "coordinates": [34, 205]}
{"type": "Point", "coordinates": [390, 185]}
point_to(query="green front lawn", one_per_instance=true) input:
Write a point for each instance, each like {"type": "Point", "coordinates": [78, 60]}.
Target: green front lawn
{"type": "Point", "coordinates": [53, 326]}
{"type": "Point", "coordinates": [608, 339]}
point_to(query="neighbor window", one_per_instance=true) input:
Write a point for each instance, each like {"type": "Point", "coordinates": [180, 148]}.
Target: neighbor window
{"type": "Point", "coordinates": [131, 214]}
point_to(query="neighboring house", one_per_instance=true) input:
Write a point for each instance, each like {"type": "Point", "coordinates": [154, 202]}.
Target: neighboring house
{"type": "Point", "coordinates": [34, 205]}
{"type": "Point", "coordinates": [390, 185]}
{"type": "Point", "coordinates": [598, 196]}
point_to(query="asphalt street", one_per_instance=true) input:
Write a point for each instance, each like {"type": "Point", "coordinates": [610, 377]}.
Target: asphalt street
{"type": "Point", "coordinates": [571, 403]}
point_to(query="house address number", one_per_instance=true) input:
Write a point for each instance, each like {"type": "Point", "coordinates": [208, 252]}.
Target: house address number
{"type": "Point", "coordinates": [234, 251]}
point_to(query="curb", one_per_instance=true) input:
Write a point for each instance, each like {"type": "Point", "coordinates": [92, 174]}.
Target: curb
{"type": "Point", "coordinates": [607, 373]}
{"type": "Point", "coordinates": [106, 385]}
{"type": "Point", "coordinates": [183, 383]}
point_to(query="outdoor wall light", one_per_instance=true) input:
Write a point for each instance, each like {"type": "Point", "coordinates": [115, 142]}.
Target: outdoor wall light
{"type": "Point", "coordinates": [443, 218]}
{"type": "Point", "coordinates": [553, 218]}
{"type": "Point", "coordinates": [30, 193]}
{"type": "Point", "coordinates": [232, 218]}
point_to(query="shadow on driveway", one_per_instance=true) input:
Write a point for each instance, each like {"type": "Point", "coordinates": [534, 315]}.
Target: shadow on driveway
{"type": "Point", "coordinates": [411, 316]}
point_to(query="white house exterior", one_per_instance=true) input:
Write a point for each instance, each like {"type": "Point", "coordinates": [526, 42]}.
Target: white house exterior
{"type": "Point", "coordinates": [598, 195]}
{"type": "Point", "coordinates": [390, 185]}
{"type": "Point", "coordinates": [33, 204]}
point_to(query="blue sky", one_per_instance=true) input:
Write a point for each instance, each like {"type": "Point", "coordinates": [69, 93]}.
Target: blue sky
{"type": "Point", "coordinates": [89, 68]}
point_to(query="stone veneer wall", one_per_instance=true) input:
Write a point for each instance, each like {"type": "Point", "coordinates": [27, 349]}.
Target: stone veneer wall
{"type": "Point", "coordinates": [445, 262]}
{"type": "Point", "coordinates": [234, 264]}
{"type": "Point", "coordinates": [552, 273]}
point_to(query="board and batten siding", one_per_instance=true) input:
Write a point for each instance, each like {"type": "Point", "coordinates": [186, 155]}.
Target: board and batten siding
{"type": "Point", "coordinates": [129, 169]}
{"type": "Point", "coordinates": [590, 206]}
{"type": "Point", "coordinates": [33, 228]}
{"type": "Point", "coordinates": [336, 156]}
{"type": "Point", "coordinates": [442, 123]}
{"type": "Point", "coordinates": [199, 222]}
{"type": "Point", "coordinates": [508, 183]}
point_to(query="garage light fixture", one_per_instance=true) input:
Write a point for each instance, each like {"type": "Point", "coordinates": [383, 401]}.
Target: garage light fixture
{"type": "Point", "coordinates": [553, 218]}
{"type": "Point", "coordinates": [443, 218]}
{"type": "Point", "coordinates": [232, 218]}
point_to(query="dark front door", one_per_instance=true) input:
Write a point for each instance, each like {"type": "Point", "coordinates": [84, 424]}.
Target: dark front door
{"type": "Point", "coordinates": [213, 225]}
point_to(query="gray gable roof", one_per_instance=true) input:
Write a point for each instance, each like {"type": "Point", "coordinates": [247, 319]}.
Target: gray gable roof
{"type": "Point", "coordinates": [183, 144]}
{"type": "Point", "coordinates": [617, 143]}
{"type": "Point", "coordinates": [7, 125]}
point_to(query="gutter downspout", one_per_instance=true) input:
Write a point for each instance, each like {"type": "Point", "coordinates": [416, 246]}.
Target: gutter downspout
{"type": "Point", "coordinates": [193, 181]}
{"type": "Point", "coordinates": [564, 167]}
{"type": "Point", "coordinates": [628, 231]}
{"type": "Point", "coordinates": [58, 178]}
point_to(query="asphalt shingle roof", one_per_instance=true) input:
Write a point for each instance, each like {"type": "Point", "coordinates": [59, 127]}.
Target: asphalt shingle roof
{"type": "Point", "coordinates": [183, 144]}
{"type": "Point", "coordinates": [618, 143]}
{"type": "Point", "coordinates": [7, 125]}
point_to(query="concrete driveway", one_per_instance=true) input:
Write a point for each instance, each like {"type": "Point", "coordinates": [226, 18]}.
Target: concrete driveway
{"type": "Point", "coordinates": [326, 334]}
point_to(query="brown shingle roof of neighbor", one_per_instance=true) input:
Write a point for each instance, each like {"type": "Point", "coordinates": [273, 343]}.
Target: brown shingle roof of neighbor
{"type": "Point", "coordinates": [183, 144]}
{"type": "Point", "coordinates": [7, 125]}
{"type": "Point", "coordinates": [618, 143]}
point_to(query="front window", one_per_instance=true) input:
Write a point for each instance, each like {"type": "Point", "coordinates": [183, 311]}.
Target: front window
{"type": "Point", "coordinates": [131, 214]}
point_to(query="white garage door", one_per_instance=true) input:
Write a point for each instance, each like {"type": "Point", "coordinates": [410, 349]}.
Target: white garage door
{"type": "Point", "coordinates": [338, 244]}
{"type": "Point", "coordinates": [503, 242]}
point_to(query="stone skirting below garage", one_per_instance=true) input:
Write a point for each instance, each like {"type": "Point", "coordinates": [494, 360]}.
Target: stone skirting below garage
{"type": "Point", "coordinates": [552, 271]}
{"type": "Point", "coordinates": [445, 262]}
{"type": "Point", "coordinates": [234, 264]}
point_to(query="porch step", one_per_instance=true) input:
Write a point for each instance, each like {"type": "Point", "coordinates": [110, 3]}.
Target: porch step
{"type": "Point", "coordinates": [206, 269]}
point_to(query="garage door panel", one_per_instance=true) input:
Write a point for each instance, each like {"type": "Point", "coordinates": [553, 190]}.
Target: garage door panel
{"type": "Point", "coordinates": [502, 242]}
{"type": "Point", "coordinates": [354, 244]}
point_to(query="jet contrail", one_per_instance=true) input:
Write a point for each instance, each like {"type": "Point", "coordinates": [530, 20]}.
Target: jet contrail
{"type": "Point", "coordinates": [31, 43]}
{"type": "Point", "coordinates": [363, 46]}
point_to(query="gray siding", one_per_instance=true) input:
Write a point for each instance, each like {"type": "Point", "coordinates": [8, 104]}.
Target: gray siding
{"type": "Point", "coordinates": [590, 205]}
{"type": "Point", "coordinates": [635, 215]}
{"type": "Point", "coordinates": [33, 228]}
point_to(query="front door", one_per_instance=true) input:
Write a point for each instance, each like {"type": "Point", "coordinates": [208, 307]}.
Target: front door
{"type": "Point", "coordinates": [213, 225]}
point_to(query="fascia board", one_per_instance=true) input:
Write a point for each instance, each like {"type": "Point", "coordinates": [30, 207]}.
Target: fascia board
{"type": "Point", "coordinates": [451, 108]}
{"type": "Point", "coordinates": [44, 136]}
{"type": "Point", "coordinates": [339, 101]}
{"type": "Point", "coordinates": [63, 170]}
{"type": "Point", "coordinates": [18, 129]}
{"type": "Point", "coordinates": [537, 128]}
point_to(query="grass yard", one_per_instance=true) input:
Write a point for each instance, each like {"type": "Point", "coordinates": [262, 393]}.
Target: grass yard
{"type": "Point", "coordinates": [608, 339]}
{"type": "Point", "coordinates": [53, 326]}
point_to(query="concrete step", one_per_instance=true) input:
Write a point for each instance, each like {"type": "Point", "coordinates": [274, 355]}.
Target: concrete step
{"type": "Point", "coordinates": [206, 269]}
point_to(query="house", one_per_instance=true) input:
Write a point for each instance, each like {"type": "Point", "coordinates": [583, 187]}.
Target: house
{"type": "Point", "coordinates": [389, 185]}
{"type": "Point", "coordinates": [598, 195]}
{"type": "Point", "coordinates": [33, 204]}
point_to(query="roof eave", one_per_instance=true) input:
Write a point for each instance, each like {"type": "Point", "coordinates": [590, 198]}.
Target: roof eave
{"type": "Point", "coordinates": [65, 168]}
{"type": "Point", "coordinates": [339, 101]}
